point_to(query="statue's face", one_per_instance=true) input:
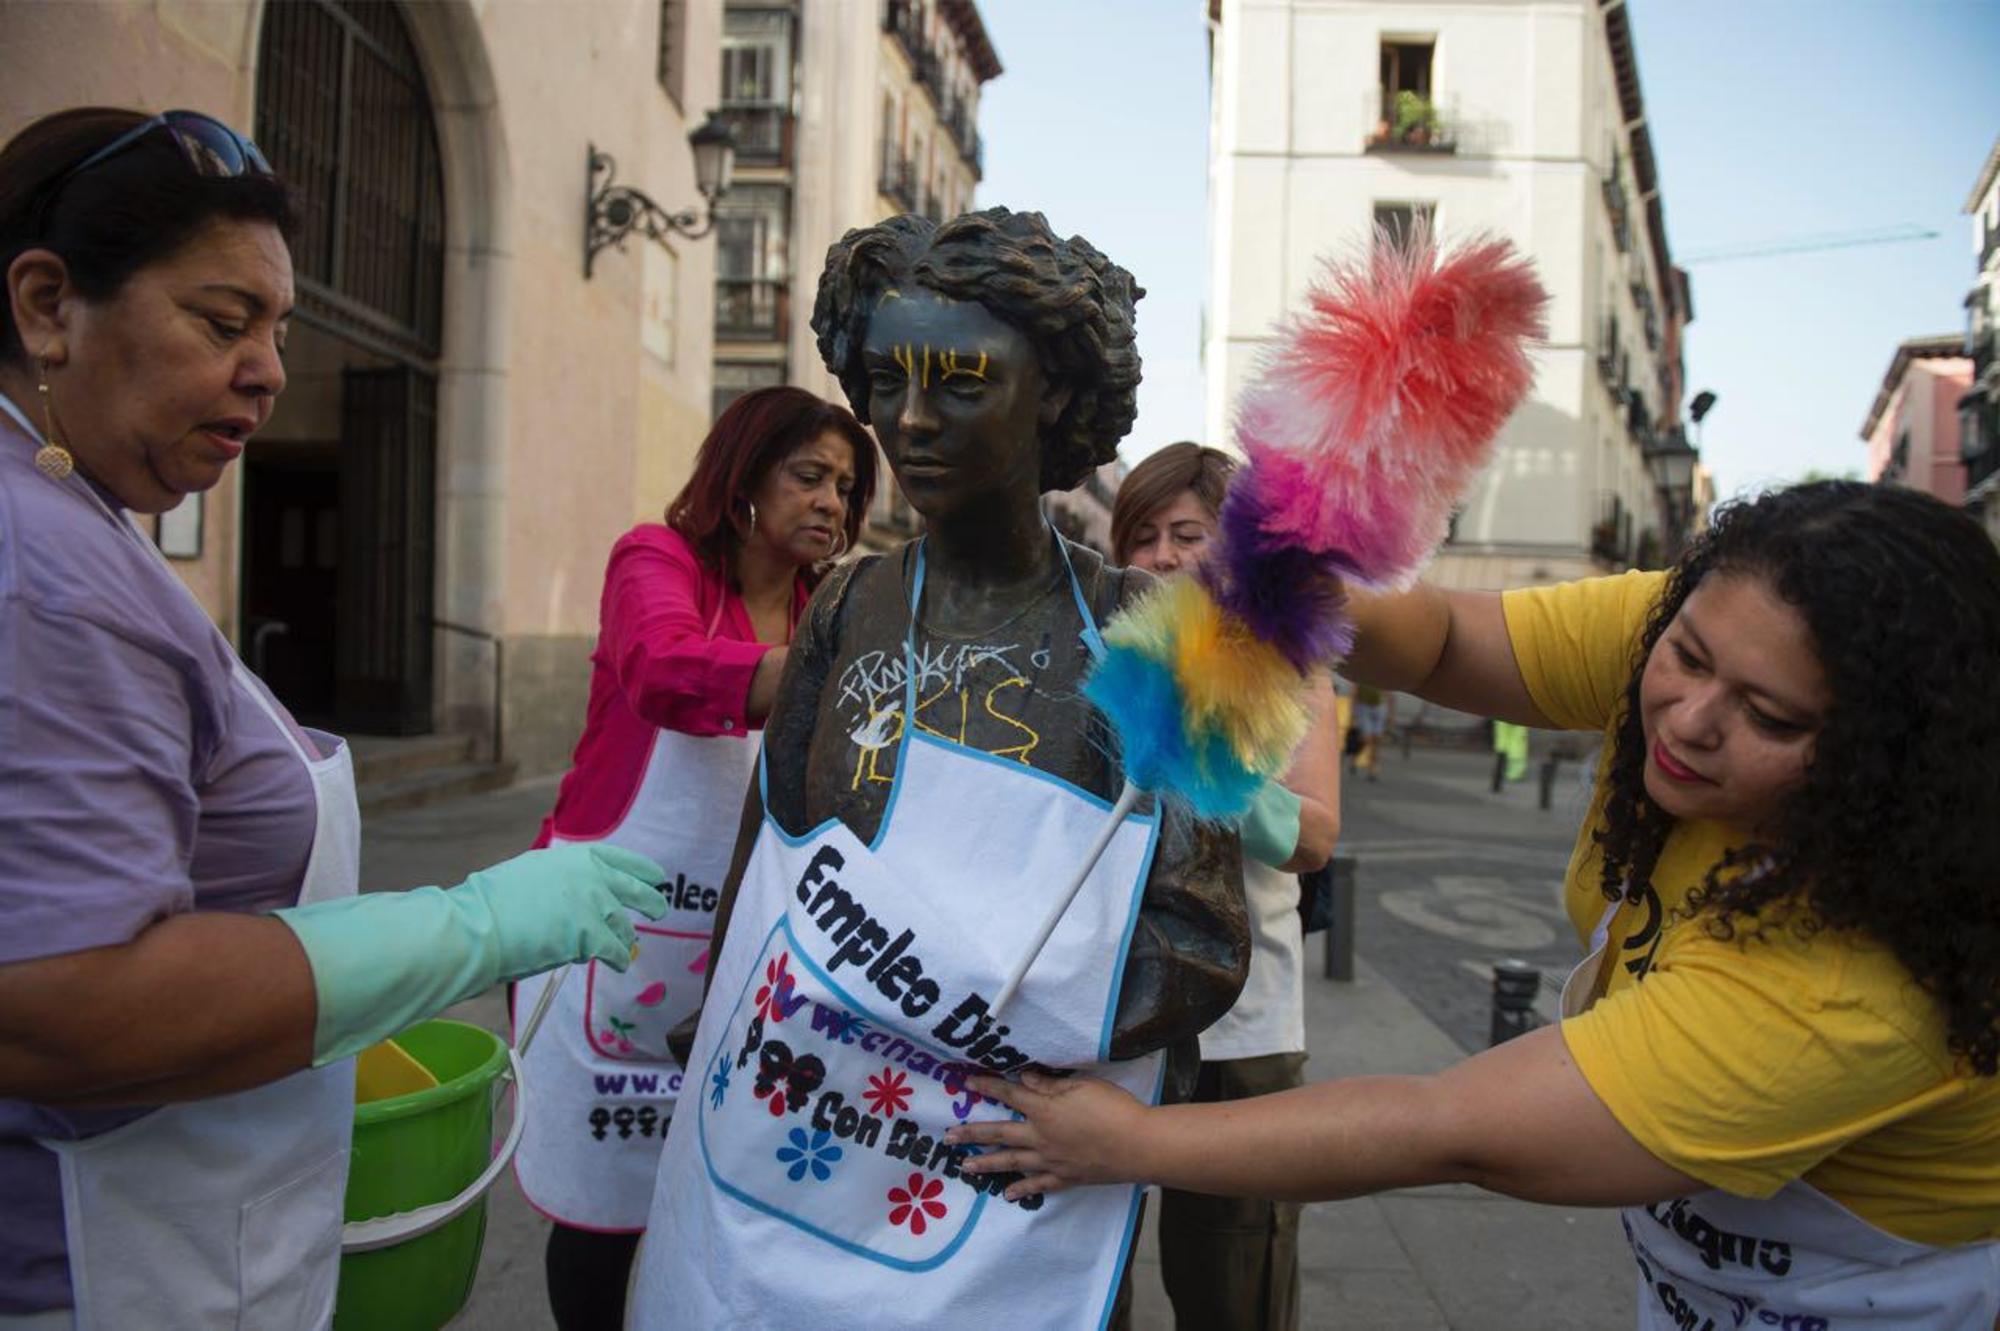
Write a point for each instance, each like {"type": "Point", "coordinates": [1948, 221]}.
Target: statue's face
{"type": "Point", "coordinates": [955, 396]}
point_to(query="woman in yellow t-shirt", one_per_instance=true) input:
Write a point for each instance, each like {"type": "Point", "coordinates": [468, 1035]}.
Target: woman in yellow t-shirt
{"type": "Point", "coordinates": [1780, 1055]}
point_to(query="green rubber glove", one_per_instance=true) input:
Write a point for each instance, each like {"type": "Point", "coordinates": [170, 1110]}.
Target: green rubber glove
{"type": "Point", "coordinates": [1271, 828]}
{"type": "Point", "coordinates": [384, 961]}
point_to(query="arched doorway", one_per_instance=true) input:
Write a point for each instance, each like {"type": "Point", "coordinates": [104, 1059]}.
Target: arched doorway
{"type": "Point", "coordinates": [340, 508]}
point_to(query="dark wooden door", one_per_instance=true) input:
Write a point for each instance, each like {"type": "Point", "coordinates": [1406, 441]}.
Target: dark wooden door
{"type": "Point", "coordinates": [291, 508]}
{"type": "Point", "coordinates": [388, 502]}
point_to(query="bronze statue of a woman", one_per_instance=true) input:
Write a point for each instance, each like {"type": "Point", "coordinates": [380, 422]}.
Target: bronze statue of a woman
{"type": "Point", "coordinates": [931, 775]}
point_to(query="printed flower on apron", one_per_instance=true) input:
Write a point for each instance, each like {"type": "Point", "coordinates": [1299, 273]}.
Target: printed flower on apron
{"type": "Point", "coordinates": [888, 1092]}
{"type": "Point", "coordinates": [799, 1078]}
{"type": "Point", "coordinates": [718, 1081]}
{"type": "Point", "coordinates": [911, 1203]}
{"type": "Point", "coordinates": [809, 1153]}
{"type": "Point", "coordinates": [774, 998]}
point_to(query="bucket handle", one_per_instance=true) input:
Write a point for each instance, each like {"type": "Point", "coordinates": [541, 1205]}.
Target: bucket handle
{"type": "Point", "coordinates": [388, 1230]}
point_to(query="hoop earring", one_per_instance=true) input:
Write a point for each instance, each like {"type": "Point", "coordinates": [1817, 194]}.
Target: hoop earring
{"type": "Point", "coordinates": [753, 514]}
{"type": "Point", "coordinates": [53, 459]}
{"type": "Point", "coordinates": [840, 534]}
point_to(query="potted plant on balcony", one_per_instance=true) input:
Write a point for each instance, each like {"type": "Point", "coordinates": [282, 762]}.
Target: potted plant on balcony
{"type": "Point", "coordinates": [1416, 119]}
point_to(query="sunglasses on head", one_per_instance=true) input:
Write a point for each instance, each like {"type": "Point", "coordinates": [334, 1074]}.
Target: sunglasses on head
{"type": "Point", "coordinates": [213, 150]}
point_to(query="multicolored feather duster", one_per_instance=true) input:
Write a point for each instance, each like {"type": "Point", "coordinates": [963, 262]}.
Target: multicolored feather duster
{"type": "Point", "coordinates": [1369, 420]}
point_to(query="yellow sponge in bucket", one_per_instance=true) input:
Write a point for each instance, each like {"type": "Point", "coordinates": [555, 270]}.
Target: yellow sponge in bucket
{"type": "Point", "coordinates": [386, 1070]}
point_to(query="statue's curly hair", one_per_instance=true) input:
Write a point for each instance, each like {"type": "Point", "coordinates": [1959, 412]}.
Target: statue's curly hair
{"type": "Point", "coordinates": [1073, 304]}
{"type": "Point", "coordinates": [1895, 829]}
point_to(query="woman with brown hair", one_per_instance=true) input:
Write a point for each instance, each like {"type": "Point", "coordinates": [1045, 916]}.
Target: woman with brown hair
{"type": "Point", "coordinates": [1231, 1264]}
{"type": "Point", "coordinates": [695, 626]}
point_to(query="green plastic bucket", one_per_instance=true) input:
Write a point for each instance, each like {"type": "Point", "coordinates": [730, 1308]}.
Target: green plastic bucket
{"type": "Point", "coordinates": [416, 1186]}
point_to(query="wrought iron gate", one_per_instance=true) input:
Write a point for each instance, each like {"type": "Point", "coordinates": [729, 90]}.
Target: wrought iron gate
{"type": "Point", "coordinates": [344, 114]}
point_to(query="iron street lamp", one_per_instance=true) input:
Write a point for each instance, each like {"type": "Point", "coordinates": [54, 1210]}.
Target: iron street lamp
{"type": "Point", "coordinates": [612, 212]}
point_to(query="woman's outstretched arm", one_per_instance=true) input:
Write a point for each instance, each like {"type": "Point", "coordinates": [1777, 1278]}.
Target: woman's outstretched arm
{"type": "Point", "coordinates": [1447, 647]}
{"type": "Point", "coordinates": [1519, 1119]}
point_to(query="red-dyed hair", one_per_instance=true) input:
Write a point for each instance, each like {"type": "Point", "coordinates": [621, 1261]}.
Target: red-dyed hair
{"type": "Point", "coordinates": [753, 434]}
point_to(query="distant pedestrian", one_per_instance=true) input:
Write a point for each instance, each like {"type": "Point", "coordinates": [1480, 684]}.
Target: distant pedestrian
{"type": "Point", "coordinates": [1510, 742]}
{"type": "Point", "coordinates": [1781, 1054]}
{"type": "Point", "coordinates": [1231, 1264]}
{"type": "Point", "coordinates": [1371, 719]}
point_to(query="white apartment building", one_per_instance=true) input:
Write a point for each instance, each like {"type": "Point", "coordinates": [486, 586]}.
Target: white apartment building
{"type": "Point", "coordinates": [1522, 117]}
{"type": "Point", "coordinates": [845, 112]}
{"type": "Point", "coordinates": [1979, 411]}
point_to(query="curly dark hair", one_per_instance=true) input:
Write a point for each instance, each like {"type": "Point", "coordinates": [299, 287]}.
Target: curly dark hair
{"type": "Point", "coordinates": [1072, 303]}
{"type": "Point", "coordinates": [1895, 828]}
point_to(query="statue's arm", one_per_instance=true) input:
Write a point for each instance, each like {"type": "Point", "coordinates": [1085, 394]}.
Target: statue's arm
{"type": "Point", "coordinates": [1191, 949]}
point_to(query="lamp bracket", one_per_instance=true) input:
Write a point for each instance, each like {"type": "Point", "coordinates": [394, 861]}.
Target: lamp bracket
{"type": "Point", "coordinates": [613, 212]}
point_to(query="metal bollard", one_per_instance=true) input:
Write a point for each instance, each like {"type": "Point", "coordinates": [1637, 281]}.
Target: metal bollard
{"type": "Point", "coordinates": [1515, 984]}
{"type": "Point", "coordinates": [1340, 927]}
{"type": "Point", "coordinates": [1549, 782]}
{"type": "Point", "coordinates": [1499, 772]}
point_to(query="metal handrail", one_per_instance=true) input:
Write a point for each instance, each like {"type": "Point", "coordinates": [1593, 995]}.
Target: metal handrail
{"type": "Point", "coordinates": [499, 673]}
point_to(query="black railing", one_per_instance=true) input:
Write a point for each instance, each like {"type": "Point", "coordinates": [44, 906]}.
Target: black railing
{"type": "Point", "coordinates": [898, 180]}
{"type": "Point", "coordinates": [763, 133]}
{"type": "Point", "coordinates": [958, 118]}
{"type": "Point", "coordinates": [900, 20]}
{"type": "Point", "coordinates": [1979, 436]}
{"type": "Point", "coordinates": [749, 308]}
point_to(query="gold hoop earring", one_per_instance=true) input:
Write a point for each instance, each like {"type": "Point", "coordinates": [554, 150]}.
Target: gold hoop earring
{"type": "Point", "coordinates": [53, 459]}
{"type": "Point", "coordinates": [753, 513]}
{"type": "Point", "coordinates": [840, 535]}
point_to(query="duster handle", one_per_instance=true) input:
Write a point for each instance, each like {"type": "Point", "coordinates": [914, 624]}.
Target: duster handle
{"type": "Point", "coordinates": [1128, 799]}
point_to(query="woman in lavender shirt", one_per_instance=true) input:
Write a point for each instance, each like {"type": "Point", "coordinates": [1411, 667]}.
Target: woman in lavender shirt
{"type": "Point", "coordinates": [185, 966]}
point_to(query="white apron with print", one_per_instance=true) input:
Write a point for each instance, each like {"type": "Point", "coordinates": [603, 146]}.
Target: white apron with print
{"type": "Point", "coordinates": [808, 1183]}
{"type": "Point", "coordinates": [226, 1212]}
{"type": "Point", "coordinates": [605, 1083]}
{"type": "Point", "coordinates": [1798, 1261]}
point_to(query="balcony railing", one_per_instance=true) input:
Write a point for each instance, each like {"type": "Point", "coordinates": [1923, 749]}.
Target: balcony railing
{"type": "Point", "coordinates": [763, 134]}
{"type": "Point", "coordinates": [898, 180]}
{"type": "Point", "coordinates": [1409, 123]}
{"type": "Point", "coordinates": [958, 119]}
{"type": "Point", "coordinates": [900, 21]}
{"type": "Point", "coordinates": [1979, 436]}
{"type": "Point", "coordinates": [750, 309]}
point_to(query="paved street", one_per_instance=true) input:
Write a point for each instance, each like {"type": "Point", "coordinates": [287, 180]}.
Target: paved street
{"type": "Point", "coordinates": [1452, 878]}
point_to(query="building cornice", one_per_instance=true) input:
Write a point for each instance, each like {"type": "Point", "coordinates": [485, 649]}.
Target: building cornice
{"type": "Point", "coordinates": [963, 16]}
{"type": "Point", "coordinates": [1936, 346]}
{"type": "Point", "coordinates": [1986, 175]}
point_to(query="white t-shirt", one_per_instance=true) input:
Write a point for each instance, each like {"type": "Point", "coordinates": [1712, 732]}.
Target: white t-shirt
{"type": "Point", "coordinates": [1270, 1015]}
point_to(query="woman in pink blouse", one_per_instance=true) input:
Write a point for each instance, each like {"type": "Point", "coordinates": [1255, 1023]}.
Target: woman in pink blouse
{"type": "Point", "coordinates": [694, 628]}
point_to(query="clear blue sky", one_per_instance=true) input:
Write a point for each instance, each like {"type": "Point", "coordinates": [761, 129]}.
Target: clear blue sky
{"type": "Point", "coordinates": [1771, 119]}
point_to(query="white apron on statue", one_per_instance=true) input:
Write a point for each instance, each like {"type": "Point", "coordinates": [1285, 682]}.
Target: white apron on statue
{"type": "Point", "coordinates": [1798, 1260]}
{"type": "Point", "coordinates": [226, 1212]}
{"type": "Point", "coordinates": [605, 1083]}
{"type": "Point", "coordinates": [808, 1183]}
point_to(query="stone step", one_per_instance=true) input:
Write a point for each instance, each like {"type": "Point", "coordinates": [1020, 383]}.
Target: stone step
{"type": "Point", "coordinates": [432, 785]}
{"type": "Point", "coordinates": [379, 758]}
